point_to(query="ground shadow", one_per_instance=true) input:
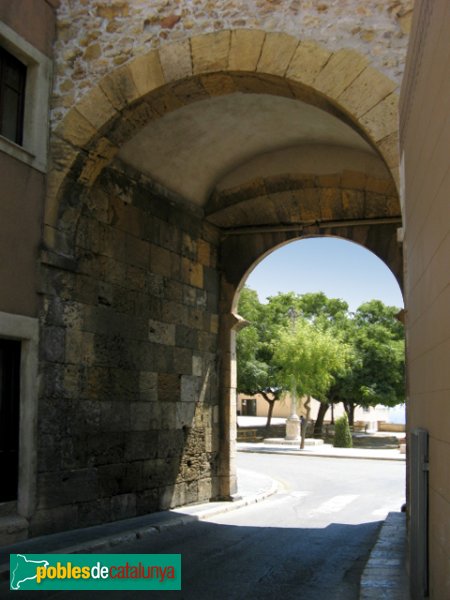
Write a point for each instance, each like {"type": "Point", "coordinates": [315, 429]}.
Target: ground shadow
{"type": "Point", "coordinates": [232, 562]}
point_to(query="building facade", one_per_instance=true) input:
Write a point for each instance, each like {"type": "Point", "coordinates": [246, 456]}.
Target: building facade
{"type": "Point", "coordinates": [26, 55]}
{"type": "Point", "coordinates": [424, 143]}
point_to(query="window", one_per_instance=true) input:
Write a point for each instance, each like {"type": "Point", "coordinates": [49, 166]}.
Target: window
{"type": "Point", "coordinates": [25, 82]}
{"type": "Point", "coordinates": [12, 96]}
{"type": "Point", "coordinates": [9, 418]}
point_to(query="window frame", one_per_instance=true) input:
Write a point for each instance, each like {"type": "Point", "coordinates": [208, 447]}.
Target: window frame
{"type": "Point", "coordinates": [8, 60]}
{"type": "Point", "coordinates": [33, 149]}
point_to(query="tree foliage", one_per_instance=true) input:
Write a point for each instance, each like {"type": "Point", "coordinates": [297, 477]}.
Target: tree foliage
{"type": "Point", "coordinates": [308, 357]}
{"type": "Point", "coordinates": [377, 362]}
{"type": "Point", "coordinates": [313, 345]}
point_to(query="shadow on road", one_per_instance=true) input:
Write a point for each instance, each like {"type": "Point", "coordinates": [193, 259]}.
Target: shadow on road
{"type": "Point", "coordinates": [240, 562]}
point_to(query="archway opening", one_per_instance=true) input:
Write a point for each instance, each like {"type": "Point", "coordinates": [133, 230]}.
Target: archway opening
{"type": "Point", "coordinates": [177, 184]}
{"type": "Point", "coordinates": [339, 288]}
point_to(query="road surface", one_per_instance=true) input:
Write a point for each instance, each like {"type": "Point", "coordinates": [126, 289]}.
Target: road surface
{"type": "Point", "coordinates": [309, 542]}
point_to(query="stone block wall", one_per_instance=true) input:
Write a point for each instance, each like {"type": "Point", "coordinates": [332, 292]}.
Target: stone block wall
{"type": "Point", "coordinates": [94, 36]}
{"type": "Point", "coordinates": [128, 413]}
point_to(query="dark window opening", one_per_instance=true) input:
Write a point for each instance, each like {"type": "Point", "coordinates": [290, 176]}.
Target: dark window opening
{"type": "Point", "coordinates": [9, 418]}
{"type": "Point", "coordinates": [12, 96]}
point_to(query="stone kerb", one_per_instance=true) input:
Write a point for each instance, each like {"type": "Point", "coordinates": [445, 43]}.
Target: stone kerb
{"type": "Point", "coordinates": [82, 146]}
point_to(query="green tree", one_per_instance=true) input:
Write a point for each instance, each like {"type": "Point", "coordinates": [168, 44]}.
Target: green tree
{"type": "Point", "coordinates": [256, 371]}
{"type": "Point", "coordinates": [371, 351]}
{"type": "Point", "coordinates": [376, 361]}
{"type": "Point", "coordinates": [342, 434]}
{"type": "Point", "coordinates": [308, 359]}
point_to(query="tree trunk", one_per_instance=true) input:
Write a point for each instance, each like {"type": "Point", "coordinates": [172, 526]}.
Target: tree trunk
{"type": "Point", "coordinates": [323, 407]}
{"type": "Point", "coordinates": [350, 410]}
{"type": "Point", "coordinates": [269, 414]}
{"type": "Point", "coordinates": [304, 423]}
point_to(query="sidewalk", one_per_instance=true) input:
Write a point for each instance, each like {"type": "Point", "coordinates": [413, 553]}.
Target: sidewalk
{"type": "Point", "coordinates": [254, 488]}
{"type": "Point", "coordinates": [325, 450]}
{"type": "Point", "coordinates": [384, 576]}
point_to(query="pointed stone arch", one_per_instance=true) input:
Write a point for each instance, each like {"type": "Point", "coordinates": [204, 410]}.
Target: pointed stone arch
{"type": "Point", "coordinates": [250, 61]}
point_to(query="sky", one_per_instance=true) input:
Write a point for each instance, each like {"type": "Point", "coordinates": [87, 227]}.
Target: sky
{"type": "Point", "coordinates": [336, 267]}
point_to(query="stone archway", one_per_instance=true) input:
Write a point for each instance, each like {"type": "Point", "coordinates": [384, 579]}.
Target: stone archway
{"type": "Point", "coordinates": [117, 244]}
{"type": "Point", "coordinates": [205, 66]}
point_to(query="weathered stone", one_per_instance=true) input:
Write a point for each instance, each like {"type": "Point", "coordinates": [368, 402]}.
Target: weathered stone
{"type": "Point", "coordinates": [186, 337]}
{"type": "Point", "coordinates": [120, 39]}
{"type": "Point", "coordinates": [53, 344]}
{"type": "Point", "coordinates": [245, 49]}
{"type": "Point", "coordinates": [210, 52]}
{"type": "Point", "coordinates": [204, 253]}
{"type": "Point", "coordinates": [382, 120]}
{"type": "Point", "coordinates": [147, 73]}
{"type": "Point", "coordinates": [277, 52]}
{"type": "Point", "coordinates": [353, 204]}
{"type": "Point", "coordinates": [109, 10]}
{"type": "Point", "coordinates": [142, 416]}
{"type": "Point", "coordinates": [99, 156]}
{"type": "Point", "coordinates": [148, 386]}
{"type": "Point", "coordinates": [120, 89]}
{"type": "Point", "coordinates": [123, 506]}
{"type": "Point", "coordinates": [142, 444]}
{"type": "Point", "coordinates": [339, 72]}
{"type": "Point", "coordinates": [182, 361]}
{"type": "Point", "coordinates": [54, 519]}
{"type": "Point", "coordinates": [192, 273]}
{"type": "Point", "coordinates": [218, 84]}
{"type": "Point", "coordinates": [189, 388]}
{"type": "Point", "coordinates": [94, 512]}
{"type": "Point", "coordinates": [197, 366]}
{"type": "Point", "coordinates": [160, 260]}
{"type": "Point", "coordinates": [115, 416]}
{"type": "Point", "coordinates": [369, 88]}
{"type": "Point", "coordinates": [176, 60]}
{"type": "Point", "coordinates": [185, 412]}
{"type": "Point", "coordinates": [76, 129]}
{"type": "Point", "coordinates": [147, 501]}
{"type": "Point", "coordinates": [66, 487]}
{"type": "Point", "coordinates": [307, 62]}
{"type": "Point", "coordinates": [389, 148]}
{"type": "Point", "coordinates": [168, 387]}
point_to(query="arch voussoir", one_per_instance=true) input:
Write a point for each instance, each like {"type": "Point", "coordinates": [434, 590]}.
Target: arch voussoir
{"type": "Point", "coordinates": [214, 64]}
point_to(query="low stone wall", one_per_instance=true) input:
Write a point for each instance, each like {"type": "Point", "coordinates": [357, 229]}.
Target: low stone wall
{"type": "Point", "coordinates": [394, 427]}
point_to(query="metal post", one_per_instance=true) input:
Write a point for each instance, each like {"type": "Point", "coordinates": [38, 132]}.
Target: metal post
{"type": "Point", "coordinates": [418, 546]}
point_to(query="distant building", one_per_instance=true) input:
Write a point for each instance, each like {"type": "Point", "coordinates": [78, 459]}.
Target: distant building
{"type": "Point", "coordinates": [367, 418]}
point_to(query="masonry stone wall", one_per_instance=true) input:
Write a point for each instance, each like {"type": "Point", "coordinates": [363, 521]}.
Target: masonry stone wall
{"type": "Point", "coordinates": [131, 419]}
{"type": "Point", "coordinates": [129, 403]}
{"type": "Point", "coordinates": [96, 36]}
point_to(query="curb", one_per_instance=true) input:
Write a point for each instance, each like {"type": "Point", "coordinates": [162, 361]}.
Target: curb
{"type": "Point", "coordinates": [198, 514]}
{"type": "Point", "coordinates": [385, 575]}
{"type": "Point", "coordinates": [317, 455]}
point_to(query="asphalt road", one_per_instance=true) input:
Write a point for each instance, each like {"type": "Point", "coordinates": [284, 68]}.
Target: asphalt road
{"type": "Point", "coordinates": [309, 542]}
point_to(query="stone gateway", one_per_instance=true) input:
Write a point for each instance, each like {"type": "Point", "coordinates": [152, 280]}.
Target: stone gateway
{"type": "Point", "coordinates": [186, 141]}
